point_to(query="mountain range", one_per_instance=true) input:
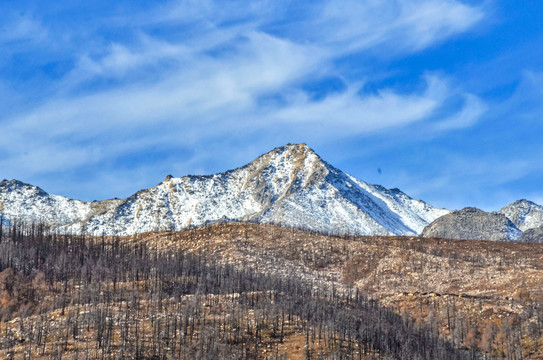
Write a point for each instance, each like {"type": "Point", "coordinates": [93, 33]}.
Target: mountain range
{"type": "Point", "coordinates": [290, 186]}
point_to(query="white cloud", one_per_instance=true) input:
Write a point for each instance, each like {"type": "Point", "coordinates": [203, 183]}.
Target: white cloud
{"type": "Point", "coordinates": [470, 113]}
{"type": "Point", "coordinates": [398, 25]}
{"type": "Point", "coordinates": [121, 62]}
{"type": "Point", "coordinates": [352, 113]}
{"type": "Point", "coordinates": [22, 28]}
{"type": "Point", "coordinates": [163, 91]}
{"type": "Point", "coordinates": [202, 92]}
{"type": "Point", "coordinates": [426, 22]}
{"type": "Point", "coordinates": [207, 99]}
{"type": "Point", "coordinates": [525, 102]}
{"type": "Point", "coordinates": [344, 26]}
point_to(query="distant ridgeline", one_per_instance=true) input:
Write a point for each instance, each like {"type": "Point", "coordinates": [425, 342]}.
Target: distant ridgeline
{"type": "Point", "coordinates": [290, 186]}
{"type": "Point", "coordinates": [519, 221]}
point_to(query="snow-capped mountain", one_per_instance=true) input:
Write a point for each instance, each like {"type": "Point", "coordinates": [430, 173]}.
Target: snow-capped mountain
{"type": "Point", "coordinates": [290, 185]}
{"type": "Point", "coordinates": [524, 214]}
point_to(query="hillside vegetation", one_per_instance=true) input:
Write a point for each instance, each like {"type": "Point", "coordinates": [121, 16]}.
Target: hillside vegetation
{"type": "Point", "coordinates": [265, 292]}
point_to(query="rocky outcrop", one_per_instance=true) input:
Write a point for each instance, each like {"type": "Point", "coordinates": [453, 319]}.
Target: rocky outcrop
{"type": "Point", "coordinates": [473, 224]}
{"type": "Point", "coordinates": [534, 235]}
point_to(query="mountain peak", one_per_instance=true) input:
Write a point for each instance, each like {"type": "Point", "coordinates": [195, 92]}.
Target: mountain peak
{"type": "Point", "coordinates": [293, 151]}
{"type": "Point", "coordinates": [14, 184]}
{"type": "Point", "coordinates": [291, 160]}
{"type": "Point", "coordinates": [469, 210]}
{"type": "Point", "coordinates": [523, 202]}
{"type": "Point", "coordinates": [524, 214]}
{"type": "Point", "coordinates": [289, 185]}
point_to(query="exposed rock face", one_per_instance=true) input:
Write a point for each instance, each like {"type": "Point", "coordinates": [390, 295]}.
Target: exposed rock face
{"type": "Point", "coordinates": [290, 185]}
{"type": "Point", "coordinates": [473, 224]}
{"type": "Point", "coordinates": [524, 214]}
{"type": "Point", "coordinates": [534, 235]}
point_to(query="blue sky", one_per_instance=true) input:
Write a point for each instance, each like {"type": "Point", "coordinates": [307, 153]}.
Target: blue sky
{"type": "Point", "coordinates": [440, 98]}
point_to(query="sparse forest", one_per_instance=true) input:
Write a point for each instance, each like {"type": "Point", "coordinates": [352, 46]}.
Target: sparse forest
{"type": "Point", "coordinates": [79, 297]}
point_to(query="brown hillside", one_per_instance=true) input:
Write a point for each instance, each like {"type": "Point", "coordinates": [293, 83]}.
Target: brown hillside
{"type": "Point", "coordinates": [265, 292]}
{"type": "Point", "coordinates": [465, 287]}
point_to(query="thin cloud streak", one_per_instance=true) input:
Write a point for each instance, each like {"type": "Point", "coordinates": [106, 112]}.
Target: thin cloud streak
{"type": "Point", "coordinates": [351, 113]}
{"type": "Point", "coordinates": [472, 110]}
{"type": "Point", "coordinates": [125, 121]}
{"type": "Point", "coordinates": [164, 90]}
{"type": "Point", "coordinates": [21, 28]}
{"type": "Point", "coordinates": [395, 25]}
{"type": "Point", "coordinates": [468, 180]}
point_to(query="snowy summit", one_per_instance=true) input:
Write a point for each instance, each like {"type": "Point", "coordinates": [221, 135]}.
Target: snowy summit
{"type": "Point", "coordinates": [290, 185]}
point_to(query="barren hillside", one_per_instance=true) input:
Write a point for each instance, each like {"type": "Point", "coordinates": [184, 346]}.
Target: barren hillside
{"type": "Point", "coordinates": [260, 291]}
{"type": "Point", "coordinates": [466, 288]}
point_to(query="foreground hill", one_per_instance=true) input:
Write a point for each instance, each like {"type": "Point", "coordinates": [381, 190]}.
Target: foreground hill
{"type": "Point", "coordinates": [261, 291]}
{"type": "Point", "coordinates": [290, 185]}
{"type": "Point", "coordinates": [483, 296]}
{"type": "Point", "coordinates": [151, 297]}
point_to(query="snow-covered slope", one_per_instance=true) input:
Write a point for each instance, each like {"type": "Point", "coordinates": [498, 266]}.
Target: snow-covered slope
{"type": "Point", "coordinates": [290, 185]}
{"type": "Point", "coordinates": [31, 204]}
{"type": "Point", "coordinates": [524, 214]}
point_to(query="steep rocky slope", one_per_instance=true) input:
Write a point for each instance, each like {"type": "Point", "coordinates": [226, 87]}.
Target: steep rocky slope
{"type": "Point", "coordinates": [524, 214]}
{"type": "Point", "coordinates": [290, 185]}
{"type": "Point", "coordinates": [534, 235]}
{"type": "Point", "coordinates": [473, 224]}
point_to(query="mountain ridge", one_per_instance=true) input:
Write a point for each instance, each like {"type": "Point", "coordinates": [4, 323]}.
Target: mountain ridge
{"type": "Point", "coordinates": [289, 185]}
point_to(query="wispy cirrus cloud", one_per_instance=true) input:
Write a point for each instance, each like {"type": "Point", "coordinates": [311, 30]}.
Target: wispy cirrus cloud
{"type": "Point", "coordinates": [397, 25]}
{"type": "Point", "coordinates": [18, 28]}
{"type": "Point", "coordinates": [472, 110]}
{"type": "Point", "coordinates": [351, 112]}
{"type": "Point", "coordinates": [193, 72]}
{"type": "Point", "coordinates": [469, 180]}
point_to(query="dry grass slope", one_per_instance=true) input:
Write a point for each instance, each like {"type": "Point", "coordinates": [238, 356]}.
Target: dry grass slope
{"type": "Point", "coordinates": [463, 287]}
{"type": "Point", "coordinates": [482, 296]}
